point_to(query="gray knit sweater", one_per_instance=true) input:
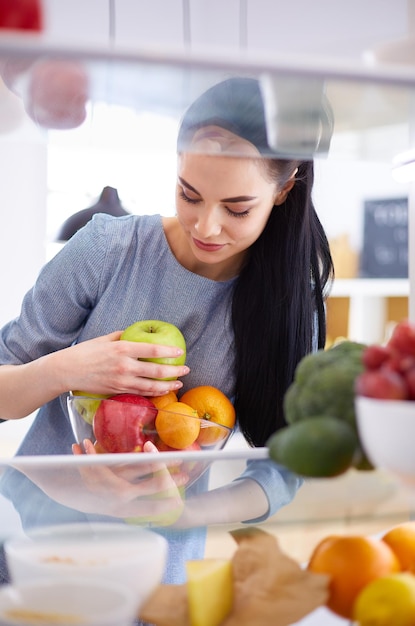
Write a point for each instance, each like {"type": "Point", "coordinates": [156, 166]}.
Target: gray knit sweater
{"type": "Point", "coordinates": [112, 273]}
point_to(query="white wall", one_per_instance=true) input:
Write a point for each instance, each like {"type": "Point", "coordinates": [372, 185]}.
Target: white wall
{"type": "Point", "coordinates": [22, 215]}
{"type": "Point", "coordinates": [341, 189]}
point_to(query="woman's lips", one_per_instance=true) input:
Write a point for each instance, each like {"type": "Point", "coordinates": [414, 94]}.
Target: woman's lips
{"type": "Point", "coordinates": [208, 247]}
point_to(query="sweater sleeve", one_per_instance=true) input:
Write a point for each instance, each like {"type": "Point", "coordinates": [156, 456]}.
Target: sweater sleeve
{"type": "Point", "coordinates": [54, 310]}
{"type": "Point", "coordinates": [279, 484]}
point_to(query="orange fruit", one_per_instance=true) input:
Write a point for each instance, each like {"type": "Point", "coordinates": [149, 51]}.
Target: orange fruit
{"type": "Point", "coordinates": [213, 405]}
{"type": "Point", "coordinates": [177, 424]}
{"type": "Point", "coordinates": [163, 447]}
{"type": "Point", "coordinates": [351, 562]}
{"type": "Point", "coordinates": [162, 401]}
{"type": "Point", "coordinates": [401, 539]}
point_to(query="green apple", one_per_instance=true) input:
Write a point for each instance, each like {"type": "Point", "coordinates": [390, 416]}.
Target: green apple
{"type": "Point", "coordinates": [159, 332]}
{"type": "Point", "coordinates": [87, 405]}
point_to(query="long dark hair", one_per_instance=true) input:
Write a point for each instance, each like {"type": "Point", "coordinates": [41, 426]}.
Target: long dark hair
{"type": "Point", "coordinates": [278, 308]}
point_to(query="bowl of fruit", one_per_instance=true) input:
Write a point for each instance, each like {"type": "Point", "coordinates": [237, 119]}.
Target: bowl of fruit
{"type": "Point", "coordinates": [385, 403]}
{"type": "Point", "coordinates": [202, 419]}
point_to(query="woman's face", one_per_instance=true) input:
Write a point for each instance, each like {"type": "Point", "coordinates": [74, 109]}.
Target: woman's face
{"type": "Point", "coordinates": [223, 202]}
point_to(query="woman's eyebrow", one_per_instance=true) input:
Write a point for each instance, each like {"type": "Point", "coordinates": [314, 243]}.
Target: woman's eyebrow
{"type": "Point", "coordinates": [239, 199]}
{"type": "Point", "coordinates": [185, 184]}
{"type": "Point", "coordinates": [236, 199]}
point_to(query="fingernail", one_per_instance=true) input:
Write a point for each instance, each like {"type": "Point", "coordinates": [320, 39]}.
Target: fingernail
{"type": "Point", "coordinates": [185, 370]}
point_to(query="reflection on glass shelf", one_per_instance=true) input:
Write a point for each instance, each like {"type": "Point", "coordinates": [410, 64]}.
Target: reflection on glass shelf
{"type": "Point", "coordinates": [147, 489]}
{"type": "Point", "coordinates": [363, 98]}
{"type": "Point", "coordinates": [355, 495]}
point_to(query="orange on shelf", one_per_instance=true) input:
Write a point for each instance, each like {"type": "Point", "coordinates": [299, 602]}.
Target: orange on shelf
{"type": "Point", "coordinates": [401, 539]}
{"type": "Point", "coordinates": [351, 562]}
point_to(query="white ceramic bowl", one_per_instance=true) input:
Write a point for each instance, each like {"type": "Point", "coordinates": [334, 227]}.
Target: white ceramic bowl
{"type": "Point", "coordinates": [130, 556]}
{"type": "Point", "coordinates": [387, 433]}
{"type": "Point", "coordinates": [48, 602]}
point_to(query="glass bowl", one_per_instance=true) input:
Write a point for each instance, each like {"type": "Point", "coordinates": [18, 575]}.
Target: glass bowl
{"type": "Point", "coordinates": [128, 426]}
{"type": "Point", "coordinates": [129, 556]}
{"type": "Point", "coordinates": [387, 432]}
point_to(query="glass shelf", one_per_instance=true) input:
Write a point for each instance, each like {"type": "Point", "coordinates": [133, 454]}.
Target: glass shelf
{"type": "Point", "coordinates": [65, 479]}
{"type": "Point", "coordinates": [373, 106]}
{"type": "Point", "coordinates": [353, 500]}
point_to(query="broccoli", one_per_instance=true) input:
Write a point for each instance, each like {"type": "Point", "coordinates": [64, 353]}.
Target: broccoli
{"type": "Point", "coordinates": [324, 384]}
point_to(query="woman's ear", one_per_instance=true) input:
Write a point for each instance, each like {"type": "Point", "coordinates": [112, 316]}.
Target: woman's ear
{"type": "Point", "coordinates": [282, 194]}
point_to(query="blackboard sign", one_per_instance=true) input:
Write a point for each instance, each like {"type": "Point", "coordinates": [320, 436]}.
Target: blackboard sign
{"type": "Point", "coordinates": [385, 239]}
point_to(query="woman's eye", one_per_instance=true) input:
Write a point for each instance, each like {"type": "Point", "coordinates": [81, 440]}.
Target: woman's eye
{"type": "Point", "coordinates": [197, 200]}
{"type": "Point", "coordinates": [237, 213]}
{"type": "Point", "coordinates": [186, 198]}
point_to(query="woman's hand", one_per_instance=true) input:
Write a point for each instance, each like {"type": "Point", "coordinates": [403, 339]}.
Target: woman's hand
{"type": "Point", "coordinates": [152, 492]}
{"type": "Point", "coordinates": [103, 365]}
{"type": "Point", "coordinates": [109, 366]}
{"type": "Point", "coordinates": [144, 493]}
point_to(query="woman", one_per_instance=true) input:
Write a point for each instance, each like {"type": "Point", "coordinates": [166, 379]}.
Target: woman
{"type": "Point", "coordinates": [241, 270]}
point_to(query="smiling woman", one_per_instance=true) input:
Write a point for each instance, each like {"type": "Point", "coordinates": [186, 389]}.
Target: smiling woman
{"type": "Point", "coordinates": [246, 251]}
{"type": "Point", "coordinates": [218, 224]}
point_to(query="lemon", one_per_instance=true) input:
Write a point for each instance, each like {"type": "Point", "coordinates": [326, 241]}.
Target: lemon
{"type": "Point", "coordinates": [387, 601]}
{"type": "Point", "coordinates": [321, 446]}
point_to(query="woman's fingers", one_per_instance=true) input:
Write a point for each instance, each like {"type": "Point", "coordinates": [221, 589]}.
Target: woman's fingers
{"type": "Point", "coordinates": [149, 370]}
{"type": "Point", "coordinates": [114, 336]}
{"type": "Point", "coordinates": [152, 493]}
{"type": "Point", "coordinates": [109, 366]}
{"type": "Point", "coordinates": [141, 350]}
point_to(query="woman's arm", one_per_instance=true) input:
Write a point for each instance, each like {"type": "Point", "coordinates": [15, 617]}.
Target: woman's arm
{"type": "Point", "coordinates": [24, 388]}
{"type": "Point", "coordinates": [103, 365]}
{"type": "Point", "coordinates": [259, 492]}
{"type": "Point", "coordinates": [236, 502]}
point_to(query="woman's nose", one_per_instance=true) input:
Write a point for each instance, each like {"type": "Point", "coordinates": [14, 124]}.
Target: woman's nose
{"type": "Point", "coordinates": [208, 224]}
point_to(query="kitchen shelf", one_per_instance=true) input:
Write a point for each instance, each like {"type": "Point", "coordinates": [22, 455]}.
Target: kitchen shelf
{"type": "Point", "coordinates": [367, 309]}
{"type": "Point", "coordinates": [370, 288]}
